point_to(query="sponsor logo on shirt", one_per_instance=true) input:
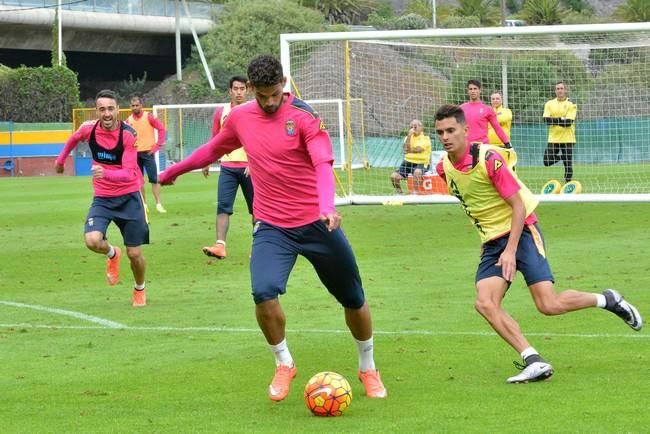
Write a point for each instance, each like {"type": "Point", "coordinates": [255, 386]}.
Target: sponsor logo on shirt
{"type": "Point", "coordinates": [290, 126]}
{"type": "Point", "coordinates": [106, 156]}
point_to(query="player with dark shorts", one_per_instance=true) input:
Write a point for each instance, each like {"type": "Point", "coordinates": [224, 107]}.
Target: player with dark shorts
{"type": "Point", "coordinates": [233, 173]}
{"type": "Point", "coordinates": [290, 159]}
{"type": "Point", "coordinates": [147, 163]}
{"type": "Point", "coordinates": [116, 184]}
{"type": "Point", "coordinates": [276, 250]}
{"type": "Point", "coordinates": [227, 189]}
{"type": "Point", "coordinates": [502, 209]}
{"type": "Point", "coordinates": [126, 211]}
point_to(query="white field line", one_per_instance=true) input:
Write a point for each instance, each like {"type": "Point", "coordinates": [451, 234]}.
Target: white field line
{"type": "Point", "coordinates": [82, 316]}
{"type": "Point", "coordinates": [105, 324]}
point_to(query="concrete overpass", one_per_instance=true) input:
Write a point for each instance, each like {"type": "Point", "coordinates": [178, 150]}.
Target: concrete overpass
{"type": "Point", "coordinates": [103, 40]}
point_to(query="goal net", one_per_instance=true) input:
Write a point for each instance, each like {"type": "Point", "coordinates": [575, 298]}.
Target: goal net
{"type": "Point", "coordinates": [189, 126]}
{"type": "Point", "coordinates": [405, 75]}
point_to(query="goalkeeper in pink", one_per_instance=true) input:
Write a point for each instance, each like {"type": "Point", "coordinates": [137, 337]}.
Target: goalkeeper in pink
{"type": "Point", "coordinates": [477, 116]}
{"type": "Point", "coordinates": [116, 181]}
{"type": "Point", "coordinates": [290, 159]}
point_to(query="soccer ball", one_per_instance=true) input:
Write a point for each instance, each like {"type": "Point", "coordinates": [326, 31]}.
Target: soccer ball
{"type": "Point", "coordinates": [328, 394]}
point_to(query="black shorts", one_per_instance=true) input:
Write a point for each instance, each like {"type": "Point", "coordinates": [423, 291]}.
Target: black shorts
{"type": "Point", "coordinates": [147, 163]}
{"type": "Point", "coordinates": [530, 257]}
{"type": "Point", "coordinates": [276, 249]}
{"type": "Point", "coordinates": [407, 168]}
{"type": "Point", "coordinates": [229, 179]}
{"type": "Point", "coordinates": [126, 211]}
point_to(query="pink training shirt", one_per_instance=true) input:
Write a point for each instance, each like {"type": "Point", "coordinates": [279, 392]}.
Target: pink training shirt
{"type": "Point", "coordinates": [477, 115]}
{"type": "Point", "coordinates": [289, 155]}
{"type": "Point", "coordinates": [118, 179]}
{"type": "Point", "coordinates": [503, 180]}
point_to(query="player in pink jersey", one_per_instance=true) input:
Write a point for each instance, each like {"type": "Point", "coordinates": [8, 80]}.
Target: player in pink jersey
{"type": "Point", "coordinates": [234, 173]}
{"type": "Point", "coordinates": [502, 210]}
{"type": "Point", "coordinates": [290, 156]}
{"type": "Point", "coordinates": [478, 114]}
{"type": "Point", "coordinates": [116, 181]}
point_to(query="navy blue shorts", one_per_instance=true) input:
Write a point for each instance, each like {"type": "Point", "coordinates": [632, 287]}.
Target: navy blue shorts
{"type": "Point", "coordinates": [531, 257]}
{"type": "Point", "coordinates": [147, 163]}
{"type": "Point", "coordinates": [407, 168]}
{"type": "Point", "coordinates": [276, 249]}
{"type": "Point", "coordinates": [126, 211]}
{"type": "Point", "coordinates": [229, 179]}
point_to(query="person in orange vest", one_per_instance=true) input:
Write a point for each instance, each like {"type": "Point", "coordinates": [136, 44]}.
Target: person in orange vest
{"type": "Point", "coordinates": [146, 124]}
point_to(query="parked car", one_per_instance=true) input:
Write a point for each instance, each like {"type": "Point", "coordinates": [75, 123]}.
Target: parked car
{"type": "Point", "coordinates": [515, 23]}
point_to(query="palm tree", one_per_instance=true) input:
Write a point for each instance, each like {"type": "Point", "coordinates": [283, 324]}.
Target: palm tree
{"type": "Point", "coordinates": [485, 10]}
{"type": "Point", "coordinates": [634, 11]}
{"type": "Point", "coordinates": [542, 11]}
{"type": "Point", "coordinates": [342, 11]}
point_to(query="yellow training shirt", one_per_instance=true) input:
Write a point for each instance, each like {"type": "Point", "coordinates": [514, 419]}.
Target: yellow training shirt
{"type": "Point", "coordinates": [238, 155]}
{"type": "Point", "coordinates": [504, 116]}
{"type": "Point", "coordinates": [488, 211]}
{"type": "Point", "coordinates": [423, 157]}
{"type": "Point", "coordinates": [561, 109]}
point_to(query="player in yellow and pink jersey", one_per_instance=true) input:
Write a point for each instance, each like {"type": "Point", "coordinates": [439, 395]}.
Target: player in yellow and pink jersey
{"type": "Point", "coordinates": [290, 157]}
{"type": "Point", "coordinates": [501, 209]}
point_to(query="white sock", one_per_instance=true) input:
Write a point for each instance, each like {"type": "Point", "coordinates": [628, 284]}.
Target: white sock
{"type": "Point", "coordinates": [139, 286]}
{"type": "Point", "coordinates": [282, 354]}
{"type": "Point", "coordinates": [601, 301]}
{"type": "Point", "coordinates": [224, 244]}
{"type": "Point", "coordinates": [528, 352]}
{"type": "Point", "coordinates": [111, 252]}
{"type": "Point", "coordinates": [366, 355]}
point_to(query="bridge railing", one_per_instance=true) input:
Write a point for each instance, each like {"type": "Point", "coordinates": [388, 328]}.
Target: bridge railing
{"type": "Point", "coordinates": [165, 8]}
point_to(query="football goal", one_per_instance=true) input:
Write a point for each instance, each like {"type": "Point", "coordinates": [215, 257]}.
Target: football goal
{"type": "Point", "coordinates": [403, 75]}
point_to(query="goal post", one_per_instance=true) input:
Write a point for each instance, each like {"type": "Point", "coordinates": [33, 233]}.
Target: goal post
{"type": "Point", "coordinates": [405, 75]}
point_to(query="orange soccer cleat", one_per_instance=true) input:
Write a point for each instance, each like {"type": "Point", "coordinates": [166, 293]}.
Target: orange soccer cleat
{"type": "Point", "coordinates": [279, 387]}
{"type": "Point", "coordinates": [113, 267]}
{"type": "Point", "coordinates": [139, 298]}
{"type": "Point", "coordinates": [372, 383]}
{"type": "Point", "coordinates": [218, 251]}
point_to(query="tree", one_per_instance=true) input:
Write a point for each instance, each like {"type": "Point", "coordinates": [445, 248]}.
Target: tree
{"type": "Point", "coordinates": [486, 11]}
{"type": "Point", "coordinates": [342, 11]}
{"type": "Point", "coordinates": [634, 11]}
{"type": "Point", "coordinates": [581, 6]}
{"type": "Point", "coordinates": [246, 29]}
{"type": "Point", "coordinates": [542, 12]}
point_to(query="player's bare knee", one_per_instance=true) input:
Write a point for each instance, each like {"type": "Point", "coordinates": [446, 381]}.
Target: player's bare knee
{"type": "Point", "coordinates": [549, 307]}
{"type": "Point", "coordinates": [134, 253]}
{"type": "Point", "coordinates": [93, 242]}
{"type": "Point", "coordinates": [485, 307]}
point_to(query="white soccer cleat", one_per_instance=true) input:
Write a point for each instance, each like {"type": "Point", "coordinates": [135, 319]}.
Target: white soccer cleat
{"type": "Point", "coordinates": [628, 313]}
{"type": "Point", "coordinates": [536, 371]}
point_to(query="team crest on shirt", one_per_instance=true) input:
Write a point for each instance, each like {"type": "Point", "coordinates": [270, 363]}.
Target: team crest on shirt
{"type": "Point", "coordinates": [290, 127]}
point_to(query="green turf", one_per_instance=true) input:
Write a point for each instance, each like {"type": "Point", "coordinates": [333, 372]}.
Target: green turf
{"type": "Point", "coordinates": [193, 360]}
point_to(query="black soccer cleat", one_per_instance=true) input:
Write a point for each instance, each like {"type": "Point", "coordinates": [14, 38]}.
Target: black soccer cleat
{"type": "Point", "coordinates": [624, 310]}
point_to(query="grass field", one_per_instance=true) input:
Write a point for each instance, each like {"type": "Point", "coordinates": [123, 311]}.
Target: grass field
{"type": "Point", "coordinates": [76, 357]}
